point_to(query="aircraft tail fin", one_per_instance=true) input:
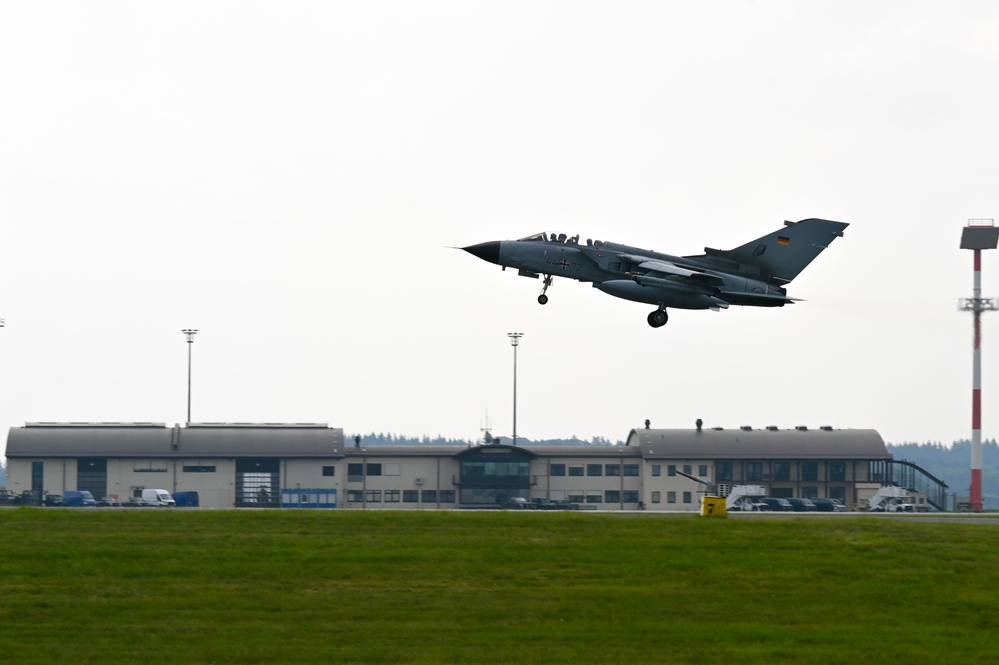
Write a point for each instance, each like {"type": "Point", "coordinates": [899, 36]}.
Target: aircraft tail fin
{"type": "Point", "coordinates": [781, 255]}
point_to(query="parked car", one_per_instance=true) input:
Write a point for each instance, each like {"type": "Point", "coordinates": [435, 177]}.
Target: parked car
{"type": "Point", "coordinates": [54, 500]}
{"type": "Point", "coordinates": [109, 501]}
{"type": "Point", "coordinates": [828, 505]}
{"type": "Point", "coordinates": [801, 505]}
{"type": "Point", "coordinates": [541, 503]}
{"type": "Point", "coordinates": [518, 503]}
{"type": "Point", "coordinates": [776, 503]}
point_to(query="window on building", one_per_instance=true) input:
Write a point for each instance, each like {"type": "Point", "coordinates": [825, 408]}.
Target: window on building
{"type": "Point", "coordinates": [329, 471]}
{"type": "Point", "coordinates": [612, 496]}
{"type": "Point", "coordinates": [754, 470]}
{"type": "Point", "coordinates": [410, 496]}
{"type": "Point", "coordinates": [838, 493]}
{"type": "Point", "coordinates": [374, 469]}
{"type": "Point", "coordinates": [687, 469]}
{"type": "Point", "coordinates": [723, 471]}
{"type": "Point", "coordinates": [612, 470]}
{"type": "Point", "coordinates": [631, 469]}
{"type": "Point", "coordinates": [150, 466]}
{"type": "Point", "coordinates": [373, 496]}
{"type": "Point", "coordinates": [655, 497]}
{"type": "Point", "coordinates": [355, 473]}
{"type": "Point", "coordinates": [575, 470]}
{"type": "Point", "coordinates": [671, 470]}
{"type": "Point", "coordinates": [687, 497]}
{"type": "Point", "coordinates": [391, 496]}
{"type": "Point", "coordinates": [810, 471]}
{"type": "Point", "coordinates": [837, 471]}
{"type": "Point", "coordinates": [594, 498]}
{"type": "Point", "coordinates": [702, 470]}
{"type": "Point", "coordinates": [355, 496]}
{"type": "Point", "coordinates": [630, 496]}
{"type": "Point", "coordinates": [557, 470]}
{"type": "Point", "coordinates": [577, 498]}
{"type": "Point", "coordinates": [428, 496]}
{"type": "Point", "coordinates": [199, 468]}
{"type": "Point", "coordinates": [670, 497]}
{"type": "Point", "coordinates": [447, 496]}
{"type": "Point", "coordinates": [782, 471]}
{"type": "Point", "coordinates": [656, 470]}
{"type": "Point", "coordinates": [809, 491]}
{"type": "Point", "coordinates": [594, 469]}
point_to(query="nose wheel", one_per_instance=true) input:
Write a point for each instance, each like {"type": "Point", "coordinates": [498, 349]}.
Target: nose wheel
{"type": "Point", "coordinates": [543, 299]}
{"type": "Point", "coordinates": [658, 318]}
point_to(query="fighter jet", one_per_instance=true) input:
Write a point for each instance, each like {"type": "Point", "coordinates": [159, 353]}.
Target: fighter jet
{"type": "Point", "coordinates": [753, 274]}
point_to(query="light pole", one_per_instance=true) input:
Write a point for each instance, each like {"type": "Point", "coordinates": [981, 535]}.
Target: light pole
{"type": "Point", "coordinates": [190, 333]}
{"type": "Point", "coordinates": [515, 342]}
{"type": "Point", "coordinates": [979, 234]}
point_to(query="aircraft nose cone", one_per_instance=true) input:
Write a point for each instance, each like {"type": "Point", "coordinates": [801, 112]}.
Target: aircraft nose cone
{"type": "Point", "coordinates": [487, 251]}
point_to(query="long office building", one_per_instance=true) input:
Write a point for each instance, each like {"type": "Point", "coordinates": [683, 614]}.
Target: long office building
{"type": "Point", "coordinates": [244, 465]}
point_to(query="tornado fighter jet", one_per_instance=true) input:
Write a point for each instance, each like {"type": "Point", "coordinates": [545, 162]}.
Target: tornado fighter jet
{"type": "Point", "coordinates": [753, 274]}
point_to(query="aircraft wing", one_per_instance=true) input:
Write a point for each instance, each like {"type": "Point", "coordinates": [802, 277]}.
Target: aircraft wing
{"type": "Point", "coordinates": [667, 268]}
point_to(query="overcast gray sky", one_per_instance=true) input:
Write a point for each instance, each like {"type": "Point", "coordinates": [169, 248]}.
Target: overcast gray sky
{"type": "Point", "coordinates": [288, 177]}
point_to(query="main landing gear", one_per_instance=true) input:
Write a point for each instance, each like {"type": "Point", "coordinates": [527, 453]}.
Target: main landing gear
{"type": "Point", "coordinates": [658, 318]}
{"type": "Point", "coordinates": [543, 299]}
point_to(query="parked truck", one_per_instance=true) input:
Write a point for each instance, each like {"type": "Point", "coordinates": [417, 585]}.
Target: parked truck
{"type": "Point", "coordinates": [891, 499]}
{"type": "Point", "coordinates": [153, 497]}
{"type": "Point", "coordinates": [78, 498]}
{"type": "Point", "coordinates": [745, 498]}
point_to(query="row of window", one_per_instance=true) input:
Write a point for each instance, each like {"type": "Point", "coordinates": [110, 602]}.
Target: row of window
{"type": "Point", "coordinates": [403, 496]}
{"type": "Point", "coordinates": [356, 471]}
{"type": "Point", "coordinates": [688, 497]}
{"type": "Point", "coordinates": [754, 471]}
{"type": "Point", "coordinates": [781, 471]}
{"type": "Point", "coordinates": [593, 469]}
{"type": "Point", "coordinates": [702, 469]}
{"type": "Point", "coordinates": [448, 496]}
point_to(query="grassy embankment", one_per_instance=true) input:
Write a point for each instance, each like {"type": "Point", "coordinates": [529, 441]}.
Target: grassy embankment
{"type": "Point", "coordinates": [173, 586]}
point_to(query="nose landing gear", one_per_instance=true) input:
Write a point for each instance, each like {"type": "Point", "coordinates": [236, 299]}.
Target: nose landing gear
{"type": "Point", "coordinates": [543, 299]}
{"type": "Point", "coordinates": [658, 318]}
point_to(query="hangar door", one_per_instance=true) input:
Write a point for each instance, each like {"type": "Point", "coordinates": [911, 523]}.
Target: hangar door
{"type": "Point", "coordinates": [258, 483]}
{"type": "Point", "coordinates": [92, 476]}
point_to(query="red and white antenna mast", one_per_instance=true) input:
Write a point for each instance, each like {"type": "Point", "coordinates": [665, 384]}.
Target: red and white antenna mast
{"type": "Point", "coordinates": [979, 234]}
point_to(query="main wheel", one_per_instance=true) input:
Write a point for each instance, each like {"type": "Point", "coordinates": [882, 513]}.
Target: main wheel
{"type": "Point", "coordinates": [658, 318]}
{"type": "Point", "coordinates": [542, 299]}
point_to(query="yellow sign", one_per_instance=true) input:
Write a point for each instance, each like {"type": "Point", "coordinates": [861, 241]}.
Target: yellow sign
{"type": "Point", "coordinates": [713, 506]}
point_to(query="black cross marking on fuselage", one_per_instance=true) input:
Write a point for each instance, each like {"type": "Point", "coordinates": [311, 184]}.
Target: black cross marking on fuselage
{"type": "Point", "coordinates": [563, 264]}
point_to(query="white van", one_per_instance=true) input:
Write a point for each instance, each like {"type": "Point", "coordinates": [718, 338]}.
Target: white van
{"type": "Point", "coordinates": [156, 498]}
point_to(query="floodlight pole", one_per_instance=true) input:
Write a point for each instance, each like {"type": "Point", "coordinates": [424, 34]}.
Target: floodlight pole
{"type": "Point", "coordinates": [515, 342]}
{"type": "Point", "coordinates": [190, 333]}
{"type": "Point", "coordinates": [979, 234]}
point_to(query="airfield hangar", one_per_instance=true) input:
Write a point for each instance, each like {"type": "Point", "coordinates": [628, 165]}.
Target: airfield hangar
{"type": "Point", "coordinates": [310, 465]}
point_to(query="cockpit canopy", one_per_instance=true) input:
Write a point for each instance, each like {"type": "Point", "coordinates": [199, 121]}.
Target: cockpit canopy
{"type": "Point", "coordinates": [560, 238]}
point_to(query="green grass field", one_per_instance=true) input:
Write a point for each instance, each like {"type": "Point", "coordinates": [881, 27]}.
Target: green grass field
{"type": "Point", "coordinates": [174, 586]}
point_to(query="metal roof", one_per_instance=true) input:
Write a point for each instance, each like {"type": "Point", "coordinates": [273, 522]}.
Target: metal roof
{"type": "Point", "coordinates": [824, 443]}
{"type": "Point", "coordinates": [159, 441]}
